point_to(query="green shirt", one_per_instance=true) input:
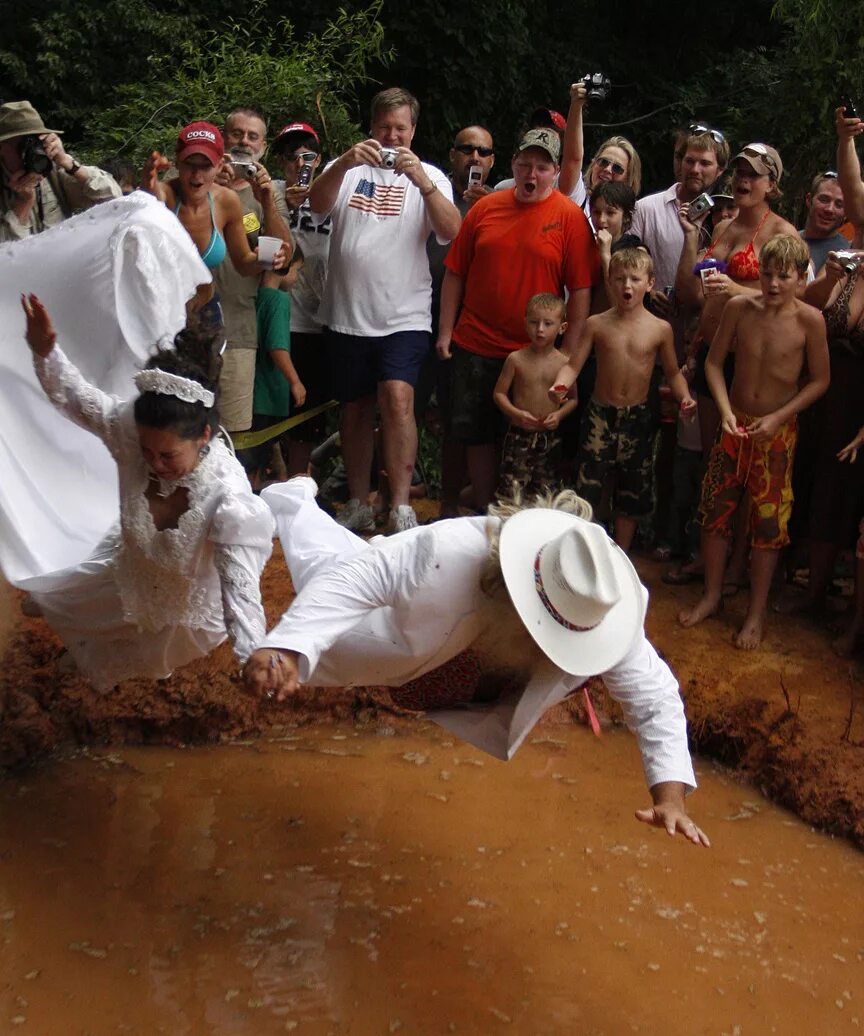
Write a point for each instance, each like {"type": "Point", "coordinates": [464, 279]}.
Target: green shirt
{"type": "Point", "coordinates": [273, 314]}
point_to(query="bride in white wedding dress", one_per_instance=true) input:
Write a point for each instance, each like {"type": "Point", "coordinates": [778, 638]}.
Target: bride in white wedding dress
{"type": "Point", "coordinates": [182, 565]}
{"type": "Point", "coordinates": [130, 597]}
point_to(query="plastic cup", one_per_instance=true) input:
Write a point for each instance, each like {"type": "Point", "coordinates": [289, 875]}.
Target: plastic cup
{"type": "Point", "coordinates": [707, 289]}
{"type": "Point", "coordinates": [267, 248]}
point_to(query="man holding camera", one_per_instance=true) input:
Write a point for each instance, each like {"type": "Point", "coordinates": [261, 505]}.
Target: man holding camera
{"type": "Point", "coordinates": [245, 137]}
{"type": "Point", "coordinates": [703, 155]}
{"type": "Point", "coordinates": [384, 203]}
{"type": "Point", "coordinates": [40, 183]}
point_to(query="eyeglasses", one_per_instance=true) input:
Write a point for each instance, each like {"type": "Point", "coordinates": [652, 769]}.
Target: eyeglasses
{"type": "Point", "coordinates": [307, 156]}
{"type": "Point", "coordinates": [829, 174]}
{"type": "Point", "coordinates": [607, 163]}
{"type": "Point", "coordinates": [469, 149]}
{"type": "Point", "coordinates": [699, 127]}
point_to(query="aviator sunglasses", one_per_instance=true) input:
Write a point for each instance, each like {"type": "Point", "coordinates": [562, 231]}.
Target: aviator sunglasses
{"type": "Point", "coordinates": [469, 149]}
{"type": "Point", "coordinates": [607, 163]}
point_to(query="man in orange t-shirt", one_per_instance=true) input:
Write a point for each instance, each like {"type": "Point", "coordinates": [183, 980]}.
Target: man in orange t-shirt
{"type": "Point", "coordinates": [512, 245]}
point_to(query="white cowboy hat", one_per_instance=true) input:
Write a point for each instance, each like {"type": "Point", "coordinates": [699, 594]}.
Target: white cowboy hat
{"type": "Point", "coordinates": [576, 591]}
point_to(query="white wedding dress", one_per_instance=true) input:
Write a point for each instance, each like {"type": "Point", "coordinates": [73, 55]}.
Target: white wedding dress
{"type": "Point", "coordinates": [75, 527]}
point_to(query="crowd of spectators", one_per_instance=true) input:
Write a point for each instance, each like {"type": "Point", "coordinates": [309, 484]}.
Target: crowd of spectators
{"type": "Point", "coordinates": [624, 345]}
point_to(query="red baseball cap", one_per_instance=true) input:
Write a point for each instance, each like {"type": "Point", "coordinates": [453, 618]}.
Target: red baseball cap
{"type": "Point", "coordinates": [201, 138]}
{"type": "Point", "coordinates": [548, 117]}
{"type": "Point", "coordinates": [302, 129]}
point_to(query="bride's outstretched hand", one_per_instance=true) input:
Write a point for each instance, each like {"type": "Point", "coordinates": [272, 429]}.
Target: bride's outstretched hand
{"type": "Point", "coordinates": [40, 334]}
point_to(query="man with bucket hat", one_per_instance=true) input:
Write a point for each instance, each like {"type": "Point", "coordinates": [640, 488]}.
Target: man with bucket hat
{"type": "Point", "coordinates": [485, 622]}
{"type": "Point", "coordinates": [41, 184]}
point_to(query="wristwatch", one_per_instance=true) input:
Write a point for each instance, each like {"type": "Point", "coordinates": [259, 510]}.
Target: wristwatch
{"type": "Point", "coordinates": [73, 169]}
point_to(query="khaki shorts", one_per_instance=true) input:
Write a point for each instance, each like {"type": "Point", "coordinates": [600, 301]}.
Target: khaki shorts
{"type": "Point", "coordinates": [236, 385]}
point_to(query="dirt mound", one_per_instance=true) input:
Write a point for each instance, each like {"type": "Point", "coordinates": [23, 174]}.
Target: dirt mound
{"type": "Point", "coordinates": [789, 716]}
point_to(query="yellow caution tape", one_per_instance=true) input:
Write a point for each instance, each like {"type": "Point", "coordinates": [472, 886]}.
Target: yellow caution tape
{"type": "Point", "coordinates": [247, 440]}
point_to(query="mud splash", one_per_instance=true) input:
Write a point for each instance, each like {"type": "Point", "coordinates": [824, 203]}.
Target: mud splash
{"type": "Point", "coordinates": [329, 880]}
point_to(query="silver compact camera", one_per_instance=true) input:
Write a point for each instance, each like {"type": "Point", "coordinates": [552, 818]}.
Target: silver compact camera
{"type": "Point", "coordinates": [849, 260]}
{"type": "Point", "coordinates": [243, 166]}
{"type": "Point", "coordinates": [699, 206]}
{"type": "Point", "coordinates": [388, 157]}
{"type": "Point", "coordinates": [475, 176]}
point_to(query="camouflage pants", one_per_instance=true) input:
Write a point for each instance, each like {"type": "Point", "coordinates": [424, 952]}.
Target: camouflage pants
{"type": "Point", "coordinates": [529, 461]}
{"type": "Point", "coordinates": [618, 441]}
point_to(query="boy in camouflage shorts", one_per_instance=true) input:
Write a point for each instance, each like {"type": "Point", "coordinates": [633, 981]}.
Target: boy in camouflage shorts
{"type": "Point", "coordinates": [529, 458]}
{"type": "Point", "coordinates": [626, 340]}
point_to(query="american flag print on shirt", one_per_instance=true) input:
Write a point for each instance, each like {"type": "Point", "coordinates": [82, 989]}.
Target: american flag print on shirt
{"type": "Point", "coordinates": [378, 199]}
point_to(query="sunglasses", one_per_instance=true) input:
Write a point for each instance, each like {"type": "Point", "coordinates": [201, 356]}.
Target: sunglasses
{"type": "Point", "coordinates": [307, 156]}
{"type": "Point", "coordinates": [607, 163]}
{"type": "Point", "coordinates": [699, 127]}
{"type": "Point", "coordinates": [829, 174]}
{"type": "Point", "coordinates": [469, 149]}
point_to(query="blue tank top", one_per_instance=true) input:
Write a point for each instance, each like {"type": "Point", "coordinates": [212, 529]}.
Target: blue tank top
{"type": "Point", "coordinates": [216, 250]}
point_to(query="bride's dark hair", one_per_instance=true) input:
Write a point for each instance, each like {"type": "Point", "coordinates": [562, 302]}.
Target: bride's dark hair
{"type": "Point", "coordinates": [195, 356]}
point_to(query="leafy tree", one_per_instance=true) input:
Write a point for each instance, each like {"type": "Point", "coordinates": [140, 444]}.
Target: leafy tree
{"type": "Point", "coordinates": [257, 62]}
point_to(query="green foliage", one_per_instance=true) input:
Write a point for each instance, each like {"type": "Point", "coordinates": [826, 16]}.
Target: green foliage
{"type": "Point", "coordinates": [257, 62]}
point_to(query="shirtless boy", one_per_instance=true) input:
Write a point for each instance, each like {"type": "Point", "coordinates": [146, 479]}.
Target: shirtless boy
{"type": "Point", "coordinates": [619, 430]}
{"type": "Point", "coordinates": [772, 335]}
{"type": "Point", "coordinates": [530, 453]}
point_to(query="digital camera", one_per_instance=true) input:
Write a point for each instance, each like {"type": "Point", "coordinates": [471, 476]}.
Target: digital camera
{"type": "Point", "coordinates": [699, 206]}
{"type": "Point", "coordinates": [388, 157]}
{"type": "Point", "coordinates": [304, 177]}
{"type": "Point", "coordinates": [850, 260]}
{"type": "Point", "coordinates": [475, 176]}
{"type": "Point", "coordinates": [244, 167]}
{"type": "Point", "coordinates": [598, 86]}
{"type": "Point", "coordinates": [33, 155]}
{"type": "Point", "coordinates": [849, 109]}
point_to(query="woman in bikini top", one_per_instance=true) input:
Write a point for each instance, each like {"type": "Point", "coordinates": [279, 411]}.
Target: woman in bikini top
{"type": "Point", "coordinates": [755, 173]}
{"type": "Point", "coordinates": [212, 215]}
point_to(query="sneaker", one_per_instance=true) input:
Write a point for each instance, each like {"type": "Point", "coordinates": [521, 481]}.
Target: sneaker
{"type": "Point", "coordinates": [403, 517]}
{"type": "Point", "coordinates": [357, 517]}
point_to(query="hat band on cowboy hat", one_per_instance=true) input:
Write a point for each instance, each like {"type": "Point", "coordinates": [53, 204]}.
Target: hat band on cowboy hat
{"type": "Point", "coordinates": [576, 591]}
{"type": "Point", "coordinates": [20, 119]}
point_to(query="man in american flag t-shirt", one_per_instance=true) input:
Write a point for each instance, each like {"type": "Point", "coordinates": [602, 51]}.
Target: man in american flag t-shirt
{"type": "Point", "coordinates": [384, 203]}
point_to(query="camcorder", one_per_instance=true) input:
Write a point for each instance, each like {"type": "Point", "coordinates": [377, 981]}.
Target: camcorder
{"type": "Point", "coordinates": [243, 166]}
{"type": "Point", "coordinates": [597, 85]}
{"type": "Point", "coordinates": [33, 157]}
{"type": "Point", "coordinates": [388, 157]}
{"type": "Point", "coordinates": [699, 206]}
{"type": "Point", "coordinates": [849, 260]}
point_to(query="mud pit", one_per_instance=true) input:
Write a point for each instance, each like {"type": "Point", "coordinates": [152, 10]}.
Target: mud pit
{"type": "Point", "coordinates": [804, 748]}
{"type": "Point", "coordinates": [330, 880]}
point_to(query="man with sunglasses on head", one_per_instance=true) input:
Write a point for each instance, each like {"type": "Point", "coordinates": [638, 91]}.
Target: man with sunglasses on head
{"type": "Point", "coordinates": [701, 156]}
{"type": "Point", "coordinates": [826, 213]}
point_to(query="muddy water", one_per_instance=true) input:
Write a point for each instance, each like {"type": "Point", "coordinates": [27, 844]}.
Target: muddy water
{"type": "Point", "coordinates": [336, 881]}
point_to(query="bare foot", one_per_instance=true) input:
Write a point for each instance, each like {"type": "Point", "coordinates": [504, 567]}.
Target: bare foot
{"type": "Point", "coordinates": [704, 608]}
{"type": "Point", "coordinates": [750, 634]}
